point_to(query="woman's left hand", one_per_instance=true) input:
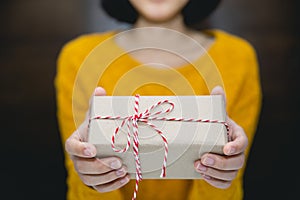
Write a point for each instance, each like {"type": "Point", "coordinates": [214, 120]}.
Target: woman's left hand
{"type": "Point", "coordinates": [220, 170]}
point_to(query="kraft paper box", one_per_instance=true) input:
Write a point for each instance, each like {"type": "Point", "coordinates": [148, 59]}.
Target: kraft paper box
{"type": "Point", "coordinates": [187, 141]}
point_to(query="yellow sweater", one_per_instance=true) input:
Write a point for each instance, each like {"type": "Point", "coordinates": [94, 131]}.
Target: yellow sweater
{"type": "Point", "coordinates": [237, 71]}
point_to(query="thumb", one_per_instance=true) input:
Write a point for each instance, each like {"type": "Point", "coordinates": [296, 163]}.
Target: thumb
{"type": "Point", "coordinates": [218, 90]}
{"type": "Point", "coordinates": [99, 91]}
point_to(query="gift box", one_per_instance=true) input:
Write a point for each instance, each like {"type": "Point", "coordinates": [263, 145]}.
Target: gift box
{"type": "Point", "coordinates": [158, 136]}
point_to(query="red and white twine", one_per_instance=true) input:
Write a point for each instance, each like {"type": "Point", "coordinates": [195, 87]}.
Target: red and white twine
{"type": "Point", "coordinates": [132, 121]}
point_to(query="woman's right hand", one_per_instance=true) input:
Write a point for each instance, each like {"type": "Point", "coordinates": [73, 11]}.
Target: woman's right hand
{"type": "Point", "coordinates": [105, 174]}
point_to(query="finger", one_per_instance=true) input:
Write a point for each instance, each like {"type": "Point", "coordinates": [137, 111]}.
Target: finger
{"type": "Point", "coordinates": [112, 185]}
{"type": "Point", "coordinates": [74, 146]}
{"type": "Point", "coordinates": [218, 90]}
{"type": "Point", "coordinates": [99, 91]}
{"type": "Point", "coordinates": [239, 140]}
{"type": "Point", "coordinates": [217, 174]}
{"type": "Point", "coordinates": [223, 162]}
{"type": "Point", "coordinates": [216, 182]}
{"type": "Point", "coordinates": [95, 165]}
{"type": "Point", "coordinates": [108, 177]}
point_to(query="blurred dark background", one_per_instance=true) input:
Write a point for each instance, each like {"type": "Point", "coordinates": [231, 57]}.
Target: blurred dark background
{"type": "Point", "coordinates": [32, 33]}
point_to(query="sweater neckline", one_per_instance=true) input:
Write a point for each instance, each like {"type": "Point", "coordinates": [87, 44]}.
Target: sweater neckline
{"type": "Point", "coordinates": [185, 67]}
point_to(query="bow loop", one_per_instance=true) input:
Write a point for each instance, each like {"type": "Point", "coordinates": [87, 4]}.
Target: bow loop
{"type": "Point", "coordinates": [152, 115]}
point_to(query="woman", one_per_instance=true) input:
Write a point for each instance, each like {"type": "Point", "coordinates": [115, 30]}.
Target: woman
{"type": "Point", "coordinates": [93, 178]}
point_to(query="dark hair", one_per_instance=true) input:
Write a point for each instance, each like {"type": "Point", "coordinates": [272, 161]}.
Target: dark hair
{"type": "Point", "coordinates": [194, 12]}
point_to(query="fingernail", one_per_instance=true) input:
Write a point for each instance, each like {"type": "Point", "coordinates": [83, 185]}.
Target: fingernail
{"type": "Point", "coordinates": [206, 177]}
{"type": "Point", "coordinates": [208, 161]}
{"type": "Point", "coordinates": [87, 152]}
{"type": "Point", "coordinates": [120, 172]}
{"type": "Point", "coordinates": [124, 180]}
{"type": "Point", "coordinates": [116, 164]}
{"type": "Point", "coordinates": [231, 150]}
{"type": "Point", "coordinates": [96, 90]}
{"type": "Point", "coordinates": [201, 167]}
